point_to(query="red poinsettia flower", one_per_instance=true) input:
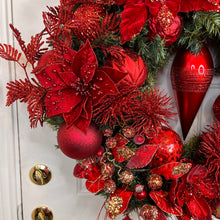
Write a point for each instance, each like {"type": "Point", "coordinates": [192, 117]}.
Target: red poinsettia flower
{"type": "Point", "coordinates": [194, 191]}
{"type": "Point", "coordinates": [74, 84]}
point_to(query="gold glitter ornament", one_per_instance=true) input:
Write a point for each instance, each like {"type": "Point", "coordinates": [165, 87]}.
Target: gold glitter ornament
{"type": "Point", "coordinates": [111, 142]}
{"type": "Point", "coordinates": [154, 181]}
{"type": "Point", "coordinates": [114, 206]}
{"type": "Point", "coordinates": [149, 212]}
{"type": "Point", "coordinates": [126, 177]}
{"type": "Point", "coordinates": [165, 17]}
{"type": "Point", "coordinates": [128, 132]}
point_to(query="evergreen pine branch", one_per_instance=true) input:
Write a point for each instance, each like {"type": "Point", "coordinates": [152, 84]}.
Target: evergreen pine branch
{"type": "Point", "coordinates": [54, 122]}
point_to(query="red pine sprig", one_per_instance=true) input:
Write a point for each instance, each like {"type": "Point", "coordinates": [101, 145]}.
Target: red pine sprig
{"type": "Point", "coordinates": [31, 94]}
{"type": "Point", "coordinates": [210, 148]}
{"type": "Point", "coordinates": [9, 53]}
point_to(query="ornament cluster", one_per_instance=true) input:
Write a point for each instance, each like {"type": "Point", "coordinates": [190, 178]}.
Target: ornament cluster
{"type": "Point", "coordinates": [94, 82]}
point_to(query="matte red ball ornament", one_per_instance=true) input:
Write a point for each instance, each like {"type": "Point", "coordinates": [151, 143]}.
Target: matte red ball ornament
{"type": "Point", "coordinates": [170, 147]}
{"type": "Point", "coordinates": [191, 76]}
{"type": "Point", "coordinates": [79, 145]}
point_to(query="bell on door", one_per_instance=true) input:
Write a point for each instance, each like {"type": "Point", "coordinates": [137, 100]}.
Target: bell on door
{"type": "Point", "coordinates": [42, 213]}
{"type": "Point", "coordinates": [40, 174]}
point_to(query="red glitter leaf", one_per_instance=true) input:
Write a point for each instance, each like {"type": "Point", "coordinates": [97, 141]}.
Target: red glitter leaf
{"type": "Point", "coordinates": [9, 53]}
{"type": "Point", "coordinates": [172, 170]}
{"type": "Point", "coordinates": [143, 156]}
{"type": "Point", "coordinates": [162, 200]}
{"type": "Point", "coordinates": [133, 17]}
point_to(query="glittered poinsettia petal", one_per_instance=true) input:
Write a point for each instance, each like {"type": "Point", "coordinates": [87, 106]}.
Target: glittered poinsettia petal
{"type": "Point", "coordinates": [73, 115]}
{"type": "Point", "coordinates": [102, 86]}
{"type": "Point", "coordinates": [69, 78]}
{"type": "Point", "coordinates": [50, 78]}
{"type": "Point", "coordinates": [85, 63]}
{"type": "Point", "coordinates": [199, 207]}
{"type": "Point", "coordinates": [162, 200]}
{"type": "Point", "coordinates": [196, 173]}
{"type": "Point", "coordinates": [123, 197]}
{"type": "Point", "coordinates": [83, 123]}
{"type": "Point", "coordinates": [172, 170]}
{"type": "Point", "coordinates": [143, 156]}
{"type": "Point", "coordinates": [114, 74]}
{"type": "Point", "coordinates": [58, 102]}
{"type": "Point", "coordinates": [95, 183]}
{"type": "Point", "coordinates": [134, 17]}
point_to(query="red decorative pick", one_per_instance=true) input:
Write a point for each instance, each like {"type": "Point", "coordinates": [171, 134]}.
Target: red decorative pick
{"type": "Point", "coordinates": [172, 170]}
{"type": "Point", "coordinates": [191, 76]}
{"type": "Point", "coordinates": [143, 156]}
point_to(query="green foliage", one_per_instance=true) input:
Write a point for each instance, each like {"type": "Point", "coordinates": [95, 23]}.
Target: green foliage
{"type": "Point", "coordinates": [54, 122]}
{"type": "Point", "coordinates": [190, 147]}
{"type": "Point", "coordinates": [198, 28]}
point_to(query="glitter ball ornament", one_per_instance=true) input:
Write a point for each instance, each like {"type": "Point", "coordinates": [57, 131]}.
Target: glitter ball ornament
{"type": "Point", "coordinates": [216, 108]}
{"type": "Point", "coordinates": [150, 212]}
{"type": "Point", "coordinates": [155, 181]}
{"type": "Point", "coordinates": [139, 192]}
{"type": "Point", "coordinates": [169, 147]}
{"type": "Point", "coordinates": [76, 144]}
{"type": "Point", "coordinates": [111, 142]}
{"type": "Point", "coordinates": [108, 132]}
{"type": "Point", "coordinates": [107, 169]}
{"type": "Point", "coordinates": [191, 76]}
{"type": "Point", "coordinates": [85, 20]}
{"type": "Point", "coordinates": [128, 132]}
{"type": "Point", "coordinates": [110, 186]}
{"type": "Point", "coordinates": [126, 177]}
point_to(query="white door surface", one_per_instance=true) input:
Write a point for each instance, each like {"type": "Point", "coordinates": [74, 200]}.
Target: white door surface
{"type": "Point", "coordinates": [23, 147]}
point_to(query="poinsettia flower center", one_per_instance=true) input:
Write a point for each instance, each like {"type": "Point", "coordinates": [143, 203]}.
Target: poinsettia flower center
{"type": "Point", "coordinates": [83, 88]}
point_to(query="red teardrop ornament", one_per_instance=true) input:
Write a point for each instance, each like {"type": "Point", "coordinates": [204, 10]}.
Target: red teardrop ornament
{"type": "Point", "coordinates": [191, 76]}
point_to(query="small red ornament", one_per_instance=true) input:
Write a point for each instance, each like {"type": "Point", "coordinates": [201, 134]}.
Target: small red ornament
{"type": "Point", "coordinates": [155, 181]}
{"type": "Point", "coordinates": [132, 64]}
{"type": "Point", "coordinates": [85, 20]}
{"type": "Point", "coordinates": [139, 139]}
{"type": "Point", "coordinates": [76, 144]}
{"type": "Point", "coordinates": [110, 186]}
{"type": "Point", "coordinates": [191, 76]}
{"type": "Point", "coordinates": [107, 169]}
{"type": "Point", "coordinates": [169, 147]}
{"type": "Point", "coordinates": [100, 152]}
{"type": "Point", "coordinates": [216, 108]}
{"type": "Point", "coordinates": [139, 192]}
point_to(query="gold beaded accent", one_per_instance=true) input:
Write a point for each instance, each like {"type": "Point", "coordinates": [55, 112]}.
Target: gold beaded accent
{"type": "Point", "coordinates": [165, 17]}
{"type": "Point", "coordinates": [125, 153]}
{"type": "Point", "coordinates": [114, 206]}
{"type": "Point", "coordinates": [150, 211]}
{"type": "Point", "coordinates": [126, 177]}
{"type": "Point", "coordinates": [183, 168]}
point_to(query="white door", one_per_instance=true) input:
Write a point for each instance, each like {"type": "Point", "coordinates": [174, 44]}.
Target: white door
{"type": "Point", "coordinates": [22, 147]}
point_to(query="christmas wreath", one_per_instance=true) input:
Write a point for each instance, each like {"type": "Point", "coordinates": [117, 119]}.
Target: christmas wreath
{"type": "Point", "coordinates": [94, 82]}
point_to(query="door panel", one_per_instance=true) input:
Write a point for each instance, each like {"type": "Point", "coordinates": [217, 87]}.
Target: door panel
{"type": "Point", "coordinates": [23, 147]}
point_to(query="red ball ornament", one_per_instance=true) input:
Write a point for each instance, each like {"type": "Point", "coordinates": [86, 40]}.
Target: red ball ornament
{"type": "Point", "coordinates": [191, 76]}
{"type": "Point", "coordinates": [139, 139]}
{"type": "Point", "coordinates": [216, 108]}
{"type": "Point", "coordinates": [139, 192]}
{"type": "Point", "coordinates": [132, 64]}
{"type": "Point", "coordinates": [85, 20]}
{"type": "Point", "coordinates": [170, 147]}
{"type": "Point", "coordinates": [170, 34]}
{"type": "Point", "coordinates": [79, 145]}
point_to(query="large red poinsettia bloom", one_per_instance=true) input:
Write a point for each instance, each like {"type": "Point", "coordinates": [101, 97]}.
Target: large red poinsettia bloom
{"type": "Point", "coordinates": [74, 84]}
